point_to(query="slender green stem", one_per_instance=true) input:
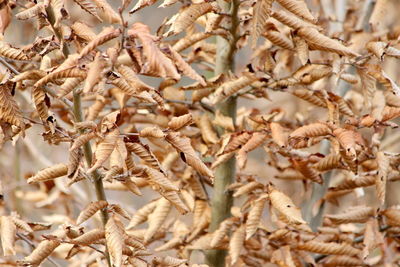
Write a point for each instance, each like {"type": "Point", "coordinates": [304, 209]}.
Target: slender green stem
{"type": "Point", "coordinates": [77, 110]}
{"type": "Point", "coordinates": [222, 200]}
{"type": "Point", "coordinates": [87, 151]}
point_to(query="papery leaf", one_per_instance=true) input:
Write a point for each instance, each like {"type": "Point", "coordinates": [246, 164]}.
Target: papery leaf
{"type": "Point", "coordinates": [299, 8]}
{"type": "Point", "coordinates": [182, 144]}
{"type": "Point", "coordinates": [90, 210]}
{"type": "Point", "coordinates": [285, 206]}
{"type": "Point", "coordinates": [104, 149]}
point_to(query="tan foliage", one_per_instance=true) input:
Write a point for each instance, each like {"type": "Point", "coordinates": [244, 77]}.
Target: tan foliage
{"type": "Point", "coordinates": [107, 12]}
{"type": "Point", "coordinates": [90, 210]}
{"type": "Point", "coordinates": [141, 215]}
{"type": "Point", "coordinates": [105, 148]}
{"type": "Point", "coordinates": [354, 214]}
{"type": "Point", "coordinates": [89, 237]}
{"type": "Point", "coordinates": [177, 123]}
{"type": "Point", "coordinates": [49, 173]}
{"type": "Point", "coordinates": [236, 243]}
{"type": "Point", "coordinates": [31, 12]}
{"type": "Point", "coordinates": [321, 42]}
{"type": "Point", "coordinates": [10, 52]}
{"type": "Point", "coordinates": [254, 217]}
{"type": "Point", "coordinates": [299, 8]}
{"type": "Point", "coordinates": [221, 232]}
{"type": "Point", "coordinates": [285, 206]}
{"type": "Point", "coordinates": [382, 177]}
{"type": "Point", "coordinates": [9, 110]}
{"type": "Point", "coordinates": [207, 130]}
{"type": "Point", "coordinates": [262, 11]}
{"type": "Point", "coordinates": [182, 144]}
{"type": "Point", "coordinates": [115, 240]}
{"type": "Point", "coordinates": [229, 88]}
{"type": "Point", "coordinates": [41, 252]}
{"type": "Point", "coordinates": [157, 218]}
{"type": "Point", "coordinates": [330, 248]}
{"type": "Point", "coordinates": [8, 231]}
{"type": "Point", "coordinates": [144, 152]}
{"type": "Point", "coordinates": [157, 62]}
{"type": "Point", "coordinates": [172, 105]}
{"type": "Point", "coordinates": [189, 15]}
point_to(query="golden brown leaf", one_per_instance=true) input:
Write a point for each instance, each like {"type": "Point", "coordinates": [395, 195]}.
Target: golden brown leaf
{"type": "Point", "coordinates": [90, 210]}
{"type": "Point", "coordinates": [105, 148]}
{"type": "Point", "coordinates": [89, 7]}
{"type": "Point", "coordinates": [144, 152]}
{"type": "Point", "coordinates": [254, 217]}
{"type": "Point", "coordinates": [157, 218]}
{"type": "Point", "coordinates": [256, 140]}
{"type": "Point", "coordinates": [207, 130]}
{"type": "Point", "coordinates": [114, 234]}
{"type": "Point", "coordinates": [177, 123]}
{"type": "Point", "coordinates": [106, 35]}
{"type": "Point", "coordinates": [321, 42]}
{"type": "Point", "coordinates": [236, 243]}
{"type": "Point", "coordinates": [189, 15]}
{"type": "Point", "coordinates": [231, 87]}
{"type": "Point", "coordinates": [12, 53]}
{"type": "Point", "coordinates": [108, 14]}
{"type": "Point", "coordinates": [49, 173]}
{"type": "Point", "coordinates": [31, 12]}
{"type": "Point", "coordinates": [184, 67]}
{"type": "Point", "coordinates": [285, 206]}
{"type": "Point", "coordinates": [141, 4]}
{"type": "Point", "coordinates": [160, 180]}
{"type": "Point", "coordinates": [89, 237]}
{"type": "Point", "coordinates": [182, 144]}
{"type": "Point", "coordinates": [94, 74]}
{"type": "Point", "coordinates": [142, 214]}
{"type": "Point", "coordinates": [299, 8]}
{"type": "Point", "coordinates": [41, 252]}
{"type": "Point", "coordinates": [158, 64]}
{"type": "Point", "coordinates": [262, 11]}
{"type": "Point", "coordinates": [9, 110]}
{"type": "Point", "coordinates": [8, 231]}
{"type": "Point", "coordinates": [358, 214]}
{"type": "Point", "coordinates": [330, 248]}
{"type": "Point", "coordinates": [381, 178]}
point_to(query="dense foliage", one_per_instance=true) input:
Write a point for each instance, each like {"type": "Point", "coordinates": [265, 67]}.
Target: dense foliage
{"type": "Point", "coordinates": [146, 135]}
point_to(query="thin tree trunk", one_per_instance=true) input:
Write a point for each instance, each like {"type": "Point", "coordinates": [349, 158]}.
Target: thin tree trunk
{"type": "Point", "coordinates": [318, 191]}
{"type": "Point", "coordinates": [222, 200]}
{"type": "Point", "coordinates": [87, 149]}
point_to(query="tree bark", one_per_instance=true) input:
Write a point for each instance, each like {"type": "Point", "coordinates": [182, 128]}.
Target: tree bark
{"type": "Point", "coordinates": [222, 200]}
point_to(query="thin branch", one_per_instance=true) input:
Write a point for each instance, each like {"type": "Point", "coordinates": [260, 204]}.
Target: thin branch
{"type": "Point", "coordinates": [362, 23]}
{"type": "Point", "coordinates": [87, 149]}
